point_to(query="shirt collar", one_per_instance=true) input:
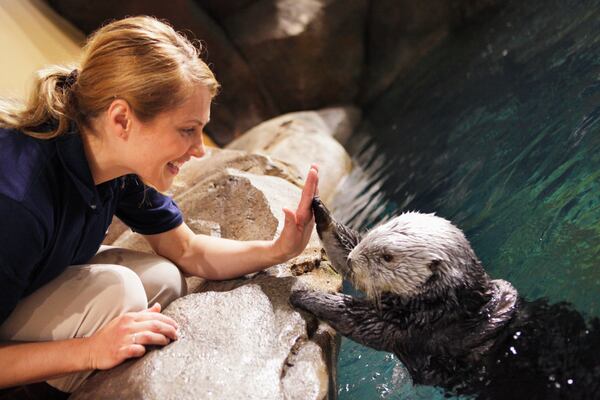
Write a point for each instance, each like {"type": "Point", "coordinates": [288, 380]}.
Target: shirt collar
{"type": "Point", "coordinates": [72, 155]}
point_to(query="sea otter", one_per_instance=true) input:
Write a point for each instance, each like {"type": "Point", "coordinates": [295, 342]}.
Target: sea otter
{"type": "Point", "coordinates": [429, 301]}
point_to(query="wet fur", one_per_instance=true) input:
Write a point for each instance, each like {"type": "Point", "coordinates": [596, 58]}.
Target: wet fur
{"type": "Point", "coordinates": [450, 324]}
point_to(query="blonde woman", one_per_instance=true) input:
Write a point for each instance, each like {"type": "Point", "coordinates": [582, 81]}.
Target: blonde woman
{"type": "Point", "coordinates": [99, 140]}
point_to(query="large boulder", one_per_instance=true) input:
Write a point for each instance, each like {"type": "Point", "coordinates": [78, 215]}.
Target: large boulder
{"type": "Point", "coordinates": [307, 53]}
{"type": "Point", "coordinates": [303, 138]}
{"type": "Point", "coordinates": [218, 175]}
{"type": "Point", "coordinates": [242, 102]}
{"type": "Point", "coordinates": [244, 343]}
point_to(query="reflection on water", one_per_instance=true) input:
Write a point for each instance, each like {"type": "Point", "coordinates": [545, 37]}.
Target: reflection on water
{"type": "Point", "coordinates": [499, 131]}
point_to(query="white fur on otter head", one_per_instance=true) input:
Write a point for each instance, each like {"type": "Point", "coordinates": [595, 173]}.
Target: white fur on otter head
{"type": "Point", "coordinates": [410, 254]}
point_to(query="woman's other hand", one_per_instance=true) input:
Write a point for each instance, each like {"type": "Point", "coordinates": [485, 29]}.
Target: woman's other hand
{"type": "Point", "coordinates": [127, 335]}
{"type": "Point", "coordinates": [299, 225]}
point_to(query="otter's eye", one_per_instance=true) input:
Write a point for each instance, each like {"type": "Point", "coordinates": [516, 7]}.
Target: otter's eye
{"type": "Point", "coordinates": [387, 257]}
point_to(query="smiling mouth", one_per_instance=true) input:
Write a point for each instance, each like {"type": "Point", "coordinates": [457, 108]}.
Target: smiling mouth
{"type": "Point", "coordinates": [174, 166]}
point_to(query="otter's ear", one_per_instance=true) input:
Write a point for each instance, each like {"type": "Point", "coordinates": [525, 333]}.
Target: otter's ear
{"type": "Point", "coordinates": [434, 267]}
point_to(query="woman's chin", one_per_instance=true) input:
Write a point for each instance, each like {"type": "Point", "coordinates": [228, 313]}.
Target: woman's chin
{"type": "Point", "coordinates": [161, 185]}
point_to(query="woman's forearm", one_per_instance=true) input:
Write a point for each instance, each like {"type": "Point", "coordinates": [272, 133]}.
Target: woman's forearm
{"type": "Point", "coordinates": [217, 258]}
{"type": "Point", "coordinates": [28, 362]}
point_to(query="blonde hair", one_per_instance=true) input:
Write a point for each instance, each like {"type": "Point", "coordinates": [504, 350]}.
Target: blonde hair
{"type": "Point", "coordinates": [139, 59]}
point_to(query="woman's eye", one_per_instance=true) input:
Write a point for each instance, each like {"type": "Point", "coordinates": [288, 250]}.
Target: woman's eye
{"type": "Point", "coordinates": [188, 131]}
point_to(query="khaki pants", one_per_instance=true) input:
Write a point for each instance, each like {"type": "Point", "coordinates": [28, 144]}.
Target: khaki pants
{"type": "Point", "coordinates": [86, 297]}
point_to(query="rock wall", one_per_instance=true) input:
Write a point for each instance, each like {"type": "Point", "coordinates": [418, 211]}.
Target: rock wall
{"type": "Point", "coordinates": [279, 56]}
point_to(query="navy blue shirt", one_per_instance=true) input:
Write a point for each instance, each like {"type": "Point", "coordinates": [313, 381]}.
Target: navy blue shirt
{"type": "Point", "coordinates": [53, 216]}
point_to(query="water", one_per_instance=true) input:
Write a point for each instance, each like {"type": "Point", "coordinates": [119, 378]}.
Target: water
{"type": "Point", "coordinates": [499, 131]}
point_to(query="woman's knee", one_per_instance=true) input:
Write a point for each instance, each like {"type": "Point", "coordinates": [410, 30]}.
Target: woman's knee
{"type": "Point", "coordinates": [163, 282]}
{"type": "Point", "coordinates": [76, 304]}
{"type": "Point", "coordinates": [119, 290]}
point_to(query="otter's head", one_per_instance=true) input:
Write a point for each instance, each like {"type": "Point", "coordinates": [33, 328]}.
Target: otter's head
{"type": "Point", "coordinates": [413, 254]}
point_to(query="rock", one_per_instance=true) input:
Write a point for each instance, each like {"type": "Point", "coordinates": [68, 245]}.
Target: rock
{"type": "Point", "coordinates": [215, 161]}
{"type": "Point", "coordinates": [205, 169]}
{"type": "Point", "coordinates": [246, 343]}
{"type": "Point", "coordinates": [242, 102]}
{"type": "Point", "coordinates": [288, 137]}
{"type": "Point", "coordinates": [219, 9]}
{"type": "Point", "coordinates": [341, 121]}
{"type": "Point", "coordinates": [307, 53]}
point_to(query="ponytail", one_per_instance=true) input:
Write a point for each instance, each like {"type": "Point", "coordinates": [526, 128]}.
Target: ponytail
{"type": "Point", "coordinates": [51, 100]}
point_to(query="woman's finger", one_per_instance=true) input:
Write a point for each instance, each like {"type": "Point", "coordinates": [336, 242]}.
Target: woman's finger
{"type": "Point", "coordinates": [290, 216]}
{"type": "Point", "coordinates": [308, 192]}
{"type": "Point", "coordinates": [156, 327]}
{"type": "Point", "coordinates": [145, 316]}
{"type": "Point", "coordinates": [156, 307]}
{"type": "Point", "coordinates": [149, 338]}
{"type": "Point", "coordinates": [133, 350]}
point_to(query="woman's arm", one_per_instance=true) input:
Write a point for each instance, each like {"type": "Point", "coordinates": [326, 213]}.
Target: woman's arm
{"type": "Point", "coordinates": [217, 258]}
{"type": "Point", "coordinates": [122, 338]}
{"type": "Point", "coordinates": [23, 363]}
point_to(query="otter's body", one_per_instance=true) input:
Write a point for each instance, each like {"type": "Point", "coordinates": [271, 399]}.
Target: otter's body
{"type": "Point", "coordinates": [429, 301]}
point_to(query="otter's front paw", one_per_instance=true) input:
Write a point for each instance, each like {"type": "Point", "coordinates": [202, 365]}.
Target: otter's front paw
{"type": "Point", "coordinates": [323, 305]}
{"type": "Point", "coordinates": [301, 298]}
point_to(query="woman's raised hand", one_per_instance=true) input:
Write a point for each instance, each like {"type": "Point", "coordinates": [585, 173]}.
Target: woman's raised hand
{"type": "Point", "coordinates": [127, 335]}
{"type": "Point", "coordinates": [299, 225]}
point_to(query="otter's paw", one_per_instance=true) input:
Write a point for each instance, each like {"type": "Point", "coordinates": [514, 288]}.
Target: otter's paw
{"type": "Point", "coordinates": [301, 298]}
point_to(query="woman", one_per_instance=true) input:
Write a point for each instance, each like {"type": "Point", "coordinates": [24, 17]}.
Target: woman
{"type": "Point", "coordinates": [105, 139]}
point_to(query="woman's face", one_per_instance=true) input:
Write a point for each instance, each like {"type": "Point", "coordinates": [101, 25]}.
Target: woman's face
{"type": "Point", "coordinates": [162, 145]}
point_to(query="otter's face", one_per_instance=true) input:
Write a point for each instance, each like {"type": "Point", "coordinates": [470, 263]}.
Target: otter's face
{"type": "Point", "coordinates": [409, 255]}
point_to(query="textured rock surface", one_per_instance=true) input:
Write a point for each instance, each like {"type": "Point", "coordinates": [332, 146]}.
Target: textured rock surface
{"type": "Point", "coordinates": [274, 56]}
{"type": "Point", "coordinates": [243, 343]}
{"type": "Point", "coordinates": [303, 138]}
{"type": "Point", "coordinates": [212, 190]}
{"type": "Point", "coordinates": [307, 53]}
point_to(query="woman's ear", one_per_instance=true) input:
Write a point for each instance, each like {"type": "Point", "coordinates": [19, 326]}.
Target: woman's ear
{"type": "Point", "coordinates": [119, 118]}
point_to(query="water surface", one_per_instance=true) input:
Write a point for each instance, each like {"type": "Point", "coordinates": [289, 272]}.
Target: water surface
{"type": "Point", "coordinates": [497, 130]}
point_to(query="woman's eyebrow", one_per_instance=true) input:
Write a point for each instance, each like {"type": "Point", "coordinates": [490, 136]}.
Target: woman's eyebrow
{"type": "Point", "coordinates": [198, 121]}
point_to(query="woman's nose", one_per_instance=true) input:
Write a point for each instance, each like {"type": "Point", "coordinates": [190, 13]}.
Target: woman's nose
{"type": "Point", "coordinates": [197, 149]}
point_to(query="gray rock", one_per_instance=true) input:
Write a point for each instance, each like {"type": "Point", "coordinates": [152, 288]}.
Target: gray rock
{"type": "Point", "coordinates": [303, 138]}
{"type": "Point", "coordinates": [203, 176]}
{"type": "Point", "coordinates": [307, 53]}
{"type": "Point", "coordinates": [246, 343]}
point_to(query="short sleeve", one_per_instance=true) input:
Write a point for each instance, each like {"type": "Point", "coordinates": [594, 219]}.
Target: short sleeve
{"type": "Point", "coordinates": [144, 209]}
{"type": "Point", "coordinates": [22, 237]}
